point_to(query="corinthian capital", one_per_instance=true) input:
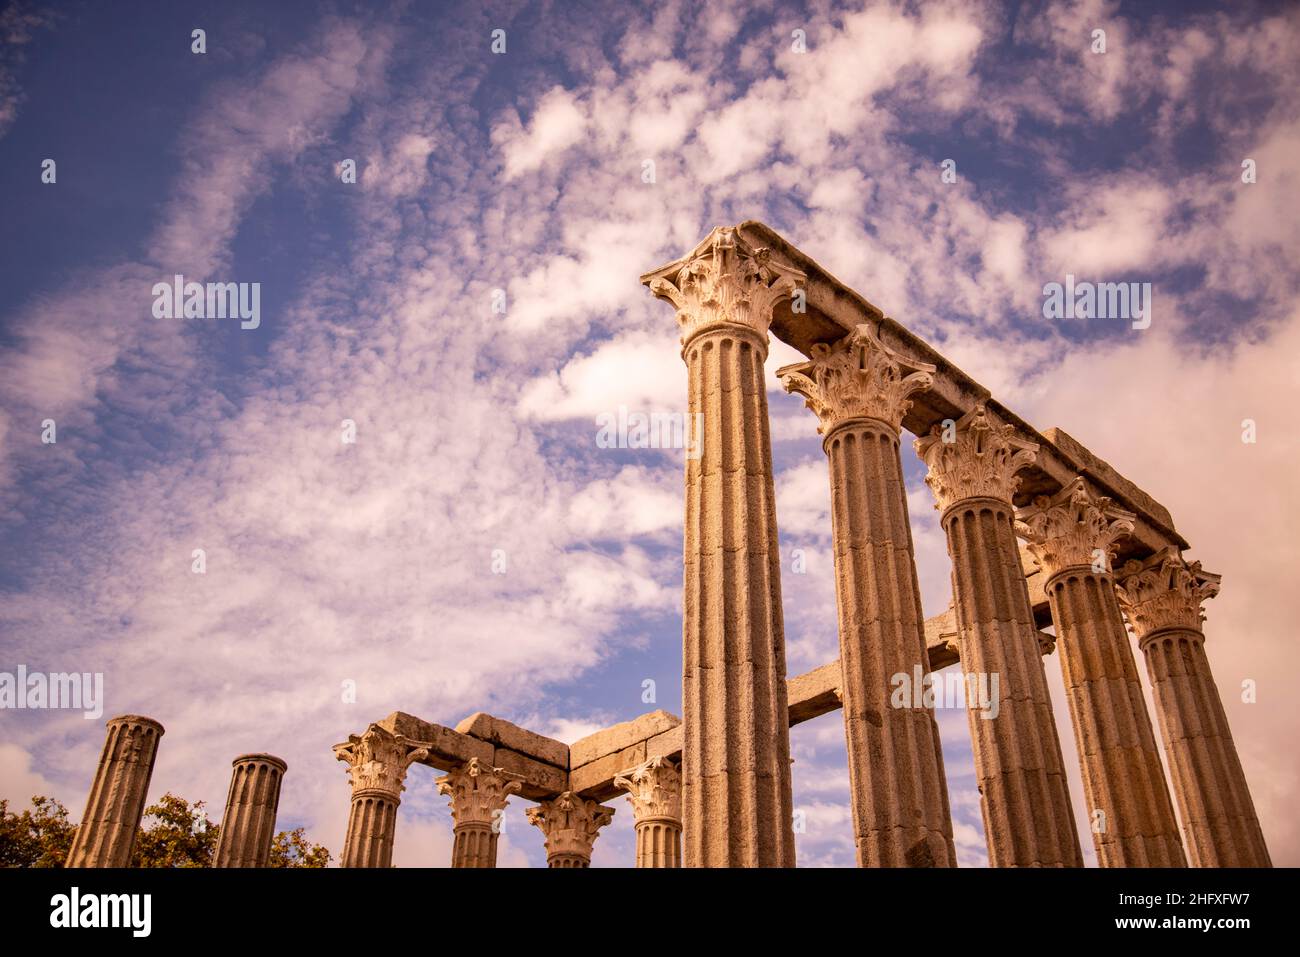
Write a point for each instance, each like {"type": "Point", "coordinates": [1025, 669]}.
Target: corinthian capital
{"type": "Point", "coordinates": [857, 377]}
{"type": "Point", "coordinates": [478, 793]}
{"type": "Point", "coordinates": [570, 824]}
{"type": "Point", "coordinates": [654, 789]}
{"type": "Point", "coordinates": [974, 457]}
{"type": "Point", "coordinates": [1073, 527]}
{"type": "Point", "coordinates": [724, 282]}
{"type": "Point", "coordinates": [1164, 591]}
{"type": "Point", "coordinates": [377, 760]}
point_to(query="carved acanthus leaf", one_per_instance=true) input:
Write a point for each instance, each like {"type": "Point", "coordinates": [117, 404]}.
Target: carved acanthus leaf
{"type": "Point", "coordinates": [725, 281]}
{"type": "Point", "coordinates": [478, 793]}
{"type": "Point", "coordinates": [654, 789]}
{"type": "Point", "coordinates": [377, 760]}
{"type": "Point", "coordinates": [1165, 591]}
{"type": "Point", "coordinates": [570, 823]}
{"type": "Point", "coordinates": [974, 457]}
{"type": "Point", "coordinates": [857, 377]}
{"type": "Point", "coordinates": [1072, 528]}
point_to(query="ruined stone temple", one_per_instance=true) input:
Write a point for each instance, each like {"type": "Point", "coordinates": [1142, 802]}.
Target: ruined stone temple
{"type": "Point", "coordinates": [1041, 532]}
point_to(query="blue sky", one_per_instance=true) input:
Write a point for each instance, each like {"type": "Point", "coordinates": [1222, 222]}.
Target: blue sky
{"type": "Point", "coordinates": [522, 172]}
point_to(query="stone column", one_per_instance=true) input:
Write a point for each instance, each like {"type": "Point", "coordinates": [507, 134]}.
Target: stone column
{"type": "Point", "coordinates": [478, 799]}
{"type": "Point", "coordinates": [377, 763]}
{"type": "Point", "coordinates": [1024, 796]}
{"type": "Point", "coordinates": [859, 389]}
{"type": "Point", "coordinates": [1072, 534]}
{"type": "Point", "coordinates": [1162, 598]}
{"type": "Point", "coordinates": [248, 824]}
{"type": "Point", "coordinates": [737, 804]}
{"type": "Point", "coordinates": [106, 836]}
{"type": "Point", "coordinates": [654, 791]}
{"type": "Point", "coordinates": [570, 824]}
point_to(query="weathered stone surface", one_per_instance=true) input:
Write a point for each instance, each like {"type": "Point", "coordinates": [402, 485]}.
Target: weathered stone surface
{"type": "Point", "coordinates": [815, 693]}
{"type": "Point", "coordinates": [538, 781]}
{"type": "Point", "coordinates": [668, 744]}
{"type": "Point", "coordinates": [860, 389]}
{"type": "Point", "coordinates": [736, 764]}
{"type": "Point", "coordinates": [117, 796]}
{"type": "Point", "coordinates": [503, 734]}
{"type": "Point", "coordinates": [248, 824]}
{"type": "Point", "coordinates": [617, 737]}
{"type": "Point", "coordinates": [1024, 797]}
{"type": "Point", "coordinates": [596, 779]}
{"type": "Point", "coordinates": [1162, 598]}
{"type": "Point", "coordinates": [1071, 535]}
{"type": "Point", "coordinates": [447, 749]}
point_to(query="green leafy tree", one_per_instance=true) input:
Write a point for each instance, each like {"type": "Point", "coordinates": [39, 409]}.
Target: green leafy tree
{"type": "Point", "coordinates": [40, 837]}
{"type": "Point", "coordinates": [292, 849]}
{"type": "Point", "coordinates": [173, 833]}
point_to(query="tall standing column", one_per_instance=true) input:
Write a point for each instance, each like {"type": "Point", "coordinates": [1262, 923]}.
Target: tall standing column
{"type": "Point", "coordinates": [1024, 796]}
{"type": "Point", "coordinates": [1072, 535]}
{"type": "Point", "coordinates": [478, 798]}
{"type": "Point", "coordinates": [654, 791]}
{"type": "Point", "coordinates": [106, 835]}
{"type": "Point", "coordinates": [248, 825]}
{"type": "Point", "coordinates": [377, 763]}
{"type": "Point", "coordinates": [570, 824]}
{"type": "Point", "coordinates": [1162, 598]}
{"type": "Point", "coordinates": [859, 389]}
{"type": "Point", "coordinates": [736, 795]}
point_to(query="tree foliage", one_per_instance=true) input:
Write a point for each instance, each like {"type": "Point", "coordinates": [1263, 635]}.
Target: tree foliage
{"type": "Point", "coordinates": [40, 837]}
{"type": "Point", "coordinates": [173, 833]}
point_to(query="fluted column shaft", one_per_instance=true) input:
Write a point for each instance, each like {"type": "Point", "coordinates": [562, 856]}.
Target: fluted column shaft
{"type": "Point", "coordinates": [738, 804]}
{"type": "Point", "coordinates": [1220, 825]}
{"type": "Point", "coordinates": [372, 826]}
{"type": "Point", "coordinates": [659, 842]}
{"type": "Point", "coordinates": [1163, 602]}
{"type": "Point", "coordinates": [117, 797]}
{"type": "Point", "coordinates": [1122, 775]}
{"type": "Point", "coordinates": [248, 824]}
{"type": "Point", "coordinates": [377, 763]}
{"type": "Point", "coordinates": [474, 845]}
{"type": "Point", "coordinates": [899, 794]}
{"type": "Point", "coordinates": [1024, 797]}
{"type": "Point", "coordinates": [859, 390]}
{"type": "Point", "coordinates": [737, 801]}
{"type": "Point", "coordinates": [1024, 794]}
{"type": "Point", "coordinates": [1131, 815]}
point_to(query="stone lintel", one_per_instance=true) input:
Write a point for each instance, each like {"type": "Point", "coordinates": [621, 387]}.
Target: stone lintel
{"type": "Point", "coordinates": [619, 736]}
{"type": "Point", "coordinates": [834, 310]}
{"type": "Point", "coordinates": [666, 745]}
{"type": "Point", "coordinates": [503, 734]}
{"type": "Point", "coordinates": [448, 749]}
{"type": "Point", "coordinates": [539, 781]}
{"type": "Point", "coordinates": [596, 778]}
{"type": "Point", "coordinates": [815, 693]}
